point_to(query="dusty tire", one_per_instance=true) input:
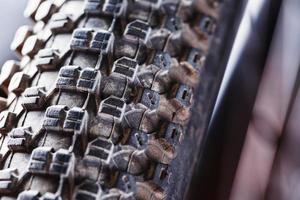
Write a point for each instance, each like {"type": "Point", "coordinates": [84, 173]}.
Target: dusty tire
{"type": "Point", "coordinates": [97, 105]}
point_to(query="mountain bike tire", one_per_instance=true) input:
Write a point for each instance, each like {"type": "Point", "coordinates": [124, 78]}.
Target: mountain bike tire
{"type": "Point", "coordinates": [98, 105]}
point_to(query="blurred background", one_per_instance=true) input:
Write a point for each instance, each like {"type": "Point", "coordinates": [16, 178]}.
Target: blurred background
{"type": "Point", "coordinates": [251, 150]}
{"type": "Point", "coordinates": [11, 17]}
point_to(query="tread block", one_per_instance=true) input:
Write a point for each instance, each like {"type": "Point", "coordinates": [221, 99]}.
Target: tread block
{"type": "Point", "coordinates": [114, 7]}
{"type": "Point", "coordinates": [206, 25]}
{"type": "Point", "coordinates": [73, 78]}
{"type": "Point", "coordinates": [125, 182]}
{"type": "Point", "coordinates": [67, 77]}
{"type": "Point", "coordinates": [116, 193]}
{"type": "Point", "coordinates": [173, 23]}
{"type": "Point", "coordinates": [146, 77]}
{"type": "Point", "coordinates": [60, 119]}
{"type": "Point", "coordinates": [31, 8]}
{"type": "Point", "coordinates": [183, 95]}
{"type": "Point", "coordinates": [54, 118]}
{"type": "Point", "coordinates": [34, 98]}
{"type": "Point", "coordinates": [60, 23]}
{"type": "Point", "coordinates": [83, 34]}
{"type": "Point", "coordinates": [134, 117]}
{"type": "Point", "coordinates": [145, 120]}
{"type": "Point", "coordinates": [31, 46]}
{"type": "Point", "coordinates": [47, 59]}
{"type": "Point", "coordinates": [173, 133]}
{"type": "Point", "coordinates": [89, 168]}
{"type": "Point", "coordinates": [35, 195]}
{"type": "Point", "coordinates": [40, 160]}
{"type": "Point", "coordinates": [100, 149]}
{"type": "Point", "coordinates": [29, 195]}
{"type": "Point", "coordinates": [150, 99]}
{"type": "Point", "coordinates": [115, 85]}
{"type": "Point", "coordinates": [20, 139]}
{"type": "Point", "coordinates": [129, 159]}
{"type": "Point", "coordinates": [149, 190]}
{"type": "Point", "coordinates": [112, 107]}
{"type": "Point", "coordinates": [126, 67]}
{"type": "Point", "coordinates": [93, 6]}
{"type": "Point", "coordinates": [160, 150]}
{"type": "Point", "coordinates": [45, 161]}
{"type": "Point", "coordinates": [139, 139]}
{"type": "Point", "coordinates": [102, 127]}
{"type": "Point", "coordinates": [74, 120]}
{"type": "Point", "coordinates": [18, 83]}
{"type": "Point", "coordinates": [102, 41]}
{"type": "Point", "coordinates": [61, 162]}
{"type": "Point", "coordinates": [99, 41]}
{"type": "Point", "coordinates": [196, 58]}
{"type": "Point", "coordinates": [137, 30]}
{"type": "Point", "coordinates": [162, 60]}
{"type": "Point", "coordinates": [7, 120]}
{"type": "Point", "coordinates": [81, 39]}
{"type": "Point", "coordinates": [8, 180]}
{"type": "Point", "coordinates": [45, 10]}
{"type": "Point", "coordinates": [162, 175]}
{"type": "Point", "coordinates": [20, 37]}
{"type": "Point", "coordinates": [88, 190]}
{"type": "Point", "coordinates": [89, 80]}
{"type": "Point", "coordinates": [9, 68]}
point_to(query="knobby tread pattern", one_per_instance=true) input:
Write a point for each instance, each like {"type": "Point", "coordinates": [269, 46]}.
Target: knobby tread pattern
{"type": "Point", "coordinates": [97, 105]}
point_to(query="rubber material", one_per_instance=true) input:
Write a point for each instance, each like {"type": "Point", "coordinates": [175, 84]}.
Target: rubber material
{"type": "Point", "coordinates": [97, 105]}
